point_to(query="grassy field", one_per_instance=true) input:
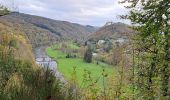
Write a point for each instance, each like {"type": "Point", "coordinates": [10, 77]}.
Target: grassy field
{"type": "Point", "coordinates": [73, 45]}
{"type": "Point", "coordinates": [66, 66]}
{"type": "Point", "coordinates": [55, 53]}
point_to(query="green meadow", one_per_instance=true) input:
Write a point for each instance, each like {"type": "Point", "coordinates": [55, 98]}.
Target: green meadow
{"type": "Point", "coordinates": [66, 66]}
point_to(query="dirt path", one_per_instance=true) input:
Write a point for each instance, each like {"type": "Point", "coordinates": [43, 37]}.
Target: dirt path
{"type": "Point", "coordinates": [45, 61]}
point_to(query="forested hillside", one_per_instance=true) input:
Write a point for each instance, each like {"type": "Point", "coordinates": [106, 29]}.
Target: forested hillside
{"type": "Point", "coordinates": [112, 31]}
{"type": "Point", "coordinates": [43, 31]}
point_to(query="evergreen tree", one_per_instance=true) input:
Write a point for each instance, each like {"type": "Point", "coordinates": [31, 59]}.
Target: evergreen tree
{"type": "Point", "coordinates": [88, 56]}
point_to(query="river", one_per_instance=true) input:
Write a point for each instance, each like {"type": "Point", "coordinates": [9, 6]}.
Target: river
{"type": "Point", "coordinates": [45, 61]}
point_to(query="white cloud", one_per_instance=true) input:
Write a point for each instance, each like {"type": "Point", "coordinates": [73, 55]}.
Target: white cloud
{"type": "Point", "coordinates": [93, 12]}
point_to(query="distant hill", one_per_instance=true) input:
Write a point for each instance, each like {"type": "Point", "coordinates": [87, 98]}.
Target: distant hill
{"type": "Point", "coordinates": [109, 36]}
{"type": "Point", "coordinates": [43, 31]}
{"type": "Point", "coordinates": [112, 31]}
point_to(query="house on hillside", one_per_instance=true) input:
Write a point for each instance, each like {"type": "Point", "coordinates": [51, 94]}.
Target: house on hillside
{"type": "Point", "coordinates": [101, 42]}
{"type": "Point", "coordinates": [120, 41]}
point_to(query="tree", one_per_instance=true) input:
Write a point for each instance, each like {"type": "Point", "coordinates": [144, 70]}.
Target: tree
{"type": "Point", "coordinates": [152, 21]}
{"type": "Point", "coordinates": [3, 10]}
{"type": "Point", "coordinates": [88, 56]}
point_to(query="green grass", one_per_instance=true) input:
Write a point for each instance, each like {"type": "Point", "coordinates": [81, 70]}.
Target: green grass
{"type": "Point", "coordinates": [66, 66]}
{"type": "Point", "coordinates": [55, 53]}
{"type": "Point", "coordinates": [73, 46]}
{"type": "Point", "coordinates": [69, 44]}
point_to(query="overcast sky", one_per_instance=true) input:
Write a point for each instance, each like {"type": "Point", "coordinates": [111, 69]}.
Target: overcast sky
{"type": "Point", "coordinates": [86, 12]}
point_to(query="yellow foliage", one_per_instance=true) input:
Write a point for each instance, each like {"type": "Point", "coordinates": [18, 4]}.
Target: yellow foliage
{"type": "Point", "coordinates": [22, 51]}
{"type": "Point", "coordinates": [14, 82]}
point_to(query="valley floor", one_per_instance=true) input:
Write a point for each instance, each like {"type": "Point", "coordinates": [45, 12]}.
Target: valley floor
{"type": "Point", "coordinates": [67, 65]}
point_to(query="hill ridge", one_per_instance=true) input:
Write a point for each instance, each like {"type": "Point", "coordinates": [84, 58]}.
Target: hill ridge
{"type": "Point", "coordinates": [39, 29]}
